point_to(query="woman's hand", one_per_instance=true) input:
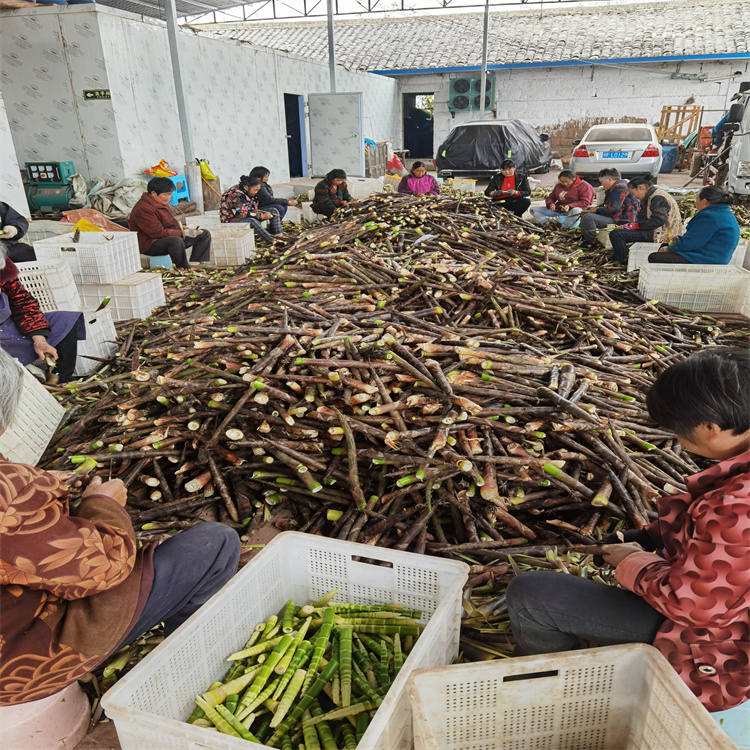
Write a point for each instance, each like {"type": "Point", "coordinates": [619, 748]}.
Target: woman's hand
{"type": "Point", "coordinates": [42, 348]}
{"type": "Point", "coordinates": [292, 202]}
{"type": "Point", "coordinates": [265, 216]}
{"type": "Point", "coordinates": [114, 488]}
{"type": "Point", "coordinates": [614, 554]}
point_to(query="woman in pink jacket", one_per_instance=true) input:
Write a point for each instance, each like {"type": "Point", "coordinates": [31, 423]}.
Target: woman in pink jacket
{"type": "Point", "coordinates": [686, 576]}
{"type": "Point", "coordinates": [418, 182]}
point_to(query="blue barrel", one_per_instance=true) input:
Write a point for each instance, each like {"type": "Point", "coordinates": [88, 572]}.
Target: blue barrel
{"type": "Point", "coordinates": [668, 159]}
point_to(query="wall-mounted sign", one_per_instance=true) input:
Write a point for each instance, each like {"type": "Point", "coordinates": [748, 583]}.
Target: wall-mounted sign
{"type": "Point", "coordinates": [96, 94]}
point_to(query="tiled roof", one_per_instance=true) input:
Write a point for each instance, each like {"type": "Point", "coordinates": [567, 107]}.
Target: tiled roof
{"type": "Point", "coordinates": [661, 28]}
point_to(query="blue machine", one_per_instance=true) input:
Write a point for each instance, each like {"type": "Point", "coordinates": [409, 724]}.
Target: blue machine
{"type": "Point", "coordinates": [49, 189]}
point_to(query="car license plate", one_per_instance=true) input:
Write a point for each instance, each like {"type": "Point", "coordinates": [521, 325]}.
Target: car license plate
{"type": "Point", "coordinates": [615, 154]}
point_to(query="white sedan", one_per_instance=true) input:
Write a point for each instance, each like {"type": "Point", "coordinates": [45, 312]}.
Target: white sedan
{"type": "Point", "coordinates": [632, 148]}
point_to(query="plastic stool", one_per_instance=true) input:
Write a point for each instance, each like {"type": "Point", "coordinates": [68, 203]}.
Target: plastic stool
{"type": "Point", "coordinates": [736, 724]}
{"type": "Point", "coordinates": [180, 189]}
{"type": "Point", "coordinates": [159, 261]}
{"type": "Point", "coordinates": [58, 722]}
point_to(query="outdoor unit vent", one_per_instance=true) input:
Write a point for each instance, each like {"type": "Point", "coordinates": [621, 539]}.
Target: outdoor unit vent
{"type": "Point", "coordinates": [465, 94]}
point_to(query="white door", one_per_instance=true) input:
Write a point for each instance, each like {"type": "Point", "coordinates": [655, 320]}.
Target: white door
{"type": "Point", "coordinates": [336, 138]}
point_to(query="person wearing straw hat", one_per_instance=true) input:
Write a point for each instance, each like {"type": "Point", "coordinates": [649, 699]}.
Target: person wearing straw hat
{"type": "Point", "coordinates": [76, 588]}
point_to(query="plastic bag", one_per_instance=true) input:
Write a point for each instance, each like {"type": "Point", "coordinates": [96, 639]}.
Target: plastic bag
{"type": "Point", "coordinates": [162, 169]}
{"type": "Point", "coordinates": [83, 225]}
{"type": "Point", "coordinates": [396, 165]}
{"type": "Point", "coordinates": [205, 169]}
{"type": "Point", "coordinates": [95, 219]}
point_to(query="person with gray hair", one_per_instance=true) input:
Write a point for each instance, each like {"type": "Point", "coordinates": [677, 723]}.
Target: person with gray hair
{"type": "Point", "coordinates": [618, 207]}
{"type": "Point", "coordinates": [32, 336]}
{"type": "Point", "coordinates": [76, 588]}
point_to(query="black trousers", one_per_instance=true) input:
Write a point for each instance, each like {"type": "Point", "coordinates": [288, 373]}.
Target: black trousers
{"type": "Point", "coordinates": [67, 351]}
{"type": "Point", "coordinates": [515, 204]}
{"type": "Point", "coordinates": [326, 209]}
{"type": "Point", "coordinates": [621, 238]}
{"type": "Point", "coordinates": [20, 252]}
{"type": "Point", "coordinates": [667, 258]}
{"type": "Point", "coordinates": [175, 248]}
{"type": "Point", "coordinates": [550, 611]}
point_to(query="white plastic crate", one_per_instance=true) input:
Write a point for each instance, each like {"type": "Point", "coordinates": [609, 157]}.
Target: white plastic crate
{"type": "Point", "coordinates": [97, 257]}
{"type": "Point", "coordinates": [135, 296]}
{"type": "Point", "coordinates": [639, 252]}
{"type": "Point", "coordinates": [465, 186]}
{"type": "Point", "coordinates": [51, 284]}
{"type": "Point", "coordinates": [696, 288]}
{"type": "Point", "coordinates": [293, 213]}
{"type": "Point", "coordinates": [149, 705]}
{"type": "Point", "coordinates": [101, 341]}
{"type": "Point", "coordinates": [362, 188]}
{"type": "Point", "coordinates": [309, 215]}
{"type": "Point", "coordinates": [37, 418]}
{"type": "Point", "coordinates": [615, 698]}
{"type": "Point", "coordinates": [204, 221]}
{"type": "Point", "coordinates": [232, 244]}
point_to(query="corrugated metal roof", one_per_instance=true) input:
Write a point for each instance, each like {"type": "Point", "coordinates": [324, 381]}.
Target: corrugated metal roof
{"type": "Point", "coordinates": [155, 8]}
{"type": "Point", "coordinates": [669, 28]}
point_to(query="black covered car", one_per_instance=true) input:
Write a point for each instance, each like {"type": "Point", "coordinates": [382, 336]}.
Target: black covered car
{"type": "Point", "coordinates": [478, 148]}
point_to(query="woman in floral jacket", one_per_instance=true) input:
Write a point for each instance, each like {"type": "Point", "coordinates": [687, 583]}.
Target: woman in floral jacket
{"type": "Point", "coordinates": [687, 574]}
{"type": "Point", "coordinates": [75, 588]}
{"type": "Point", "coordinates": [240, 205]}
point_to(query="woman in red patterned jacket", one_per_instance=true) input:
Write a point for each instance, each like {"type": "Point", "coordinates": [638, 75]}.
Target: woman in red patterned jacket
{"type": "Point", "coordinates": [30, 336]}
{"type": "Point", "coordinates": [687, 574]}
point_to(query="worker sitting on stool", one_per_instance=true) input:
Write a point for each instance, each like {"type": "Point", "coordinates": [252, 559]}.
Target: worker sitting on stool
{"type": "Point", "coordinates": [331, 193]}
{"type": "Point", "coordinates": [31, 336]}
{"type": "Point", "coordinates": [658, 220]}
{"type": "Point", "coordinates": [711, 236]}
{"type": "Point", "coordinates": [13, 226]}
{"type": "Point", "coordinates": [239, 205]}
{"type": "Point", "coordinates": [567, 200]}
{"type": "Point", "coordinates": [75, 588]}
{"type": "Point", "coordinates": [159, 233]}
{"type": "Point", "coordinates": [685, 577]}
{"type": "Point", "coordinates": [620, 206]}
{"type": "Point", "coordinates": [510, 189]}
{"type": "Point", "coordinates": [266, 199]}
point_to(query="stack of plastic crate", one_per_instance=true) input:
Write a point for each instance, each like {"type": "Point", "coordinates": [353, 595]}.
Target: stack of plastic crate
{"type": "Point", "coordinates": [51, 284]}
{"type": "Point", "coordinates": [106, 266]}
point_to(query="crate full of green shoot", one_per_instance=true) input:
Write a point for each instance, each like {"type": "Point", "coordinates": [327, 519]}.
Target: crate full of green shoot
{"type": "Point", "coordinates": [293, 657]}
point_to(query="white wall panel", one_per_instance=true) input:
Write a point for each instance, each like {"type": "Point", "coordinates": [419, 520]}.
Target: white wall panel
{"type": "Point", "coordinates": [235, 94]}
{"type": "Point", "coordinates": [11, 185]}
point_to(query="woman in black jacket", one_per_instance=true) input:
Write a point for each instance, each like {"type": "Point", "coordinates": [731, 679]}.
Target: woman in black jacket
{"type": "Point", "coordinates": [265, 197]}
{"type": "Point", "coordinates": [510, 188]}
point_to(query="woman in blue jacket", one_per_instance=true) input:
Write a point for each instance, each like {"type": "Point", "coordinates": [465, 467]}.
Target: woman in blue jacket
{"type": "Point", "coordinates": [711, 236]}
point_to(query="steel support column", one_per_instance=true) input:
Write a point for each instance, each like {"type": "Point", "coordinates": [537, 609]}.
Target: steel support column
{"type": "Point", "coordinates": [331, 48]}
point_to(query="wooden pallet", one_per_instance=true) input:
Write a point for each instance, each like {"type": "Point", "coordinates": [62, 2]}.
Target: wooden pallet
{"type": "Point", "coordinates": [677, 122]}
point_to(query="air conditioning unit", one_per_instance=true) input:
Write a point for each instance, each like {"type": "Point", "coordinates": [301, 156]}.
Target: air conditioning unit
{"type": "Point", "coordinates": [465, 94]}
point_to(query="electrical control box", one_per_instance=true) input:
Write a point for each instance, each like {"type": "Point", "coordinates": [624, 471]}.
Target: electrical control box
{"type": "Point", "coordinates": [49, 173]}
